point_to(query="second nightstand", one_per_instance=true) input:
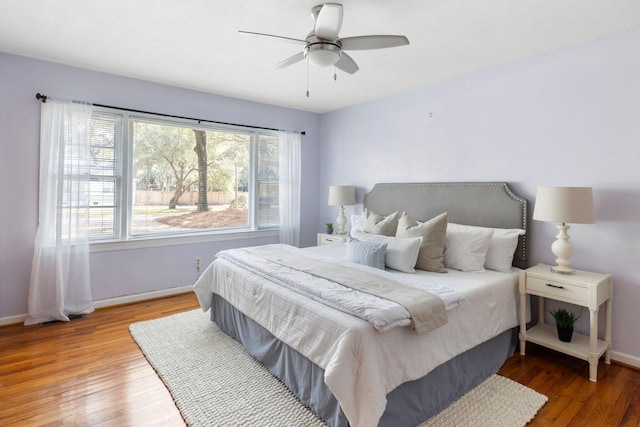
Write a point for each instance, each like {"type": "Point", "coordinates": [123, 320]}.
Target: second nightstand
{"type": "Point", "coordinates": [331, 239]}
{"type": "Point", "coordinates": [581, 288]}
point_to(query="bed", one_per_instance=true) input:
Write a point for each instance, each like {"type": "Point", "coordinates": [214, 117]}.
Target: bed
{"type": "Point", "coordinates": [345, 370]}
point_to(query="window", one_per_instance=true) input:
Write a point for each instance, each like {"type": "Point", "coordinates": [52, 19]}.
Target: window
{"type": "Point", "coordinates": [154, 177]}
{"type": "Point", "coordinates": [104, 184]}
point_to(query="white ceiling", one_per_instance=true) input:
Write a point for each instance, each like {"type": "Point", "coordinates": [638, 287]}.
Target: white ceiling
{"type": "Point", "coordinates": [195, 44]}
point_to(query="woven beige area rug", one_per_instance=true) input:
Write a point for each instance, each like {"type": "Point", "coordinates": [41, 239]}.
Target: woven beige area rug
{"type": "Point", "coordinates": [215, 382]}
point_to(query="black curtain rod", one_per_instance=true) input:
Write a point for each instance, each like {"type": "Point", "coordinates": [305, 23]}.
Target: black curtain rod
{"type": "Point", "coordinates": [43, 98]}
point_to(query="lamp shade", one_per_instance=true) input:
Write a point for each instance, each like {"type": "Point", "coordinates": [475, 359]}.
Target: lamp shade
{"type": "Point", "coordinates": [342, 195]}
{"type": "Point", "coordinates": [573, 205]}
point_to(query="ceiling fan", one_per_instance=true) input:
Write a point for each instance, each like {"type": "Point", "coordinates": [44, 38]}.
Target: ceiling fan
{"type": "Point", "coordinates": [323, 48]}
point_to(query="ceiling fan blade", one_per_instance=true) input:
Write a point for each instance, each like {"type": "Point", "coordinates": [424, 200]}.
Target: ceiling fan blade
{"type": "Point", "coordinates": [329, 21]}
{"type": "Point", "coordinates": [282, 38]}
{"type": "Point", "coordinates": [347, 64]}
{"type": "Point", "coordinates": [372, 42]}
{"type": "Point", "coordinates": [289, 61]}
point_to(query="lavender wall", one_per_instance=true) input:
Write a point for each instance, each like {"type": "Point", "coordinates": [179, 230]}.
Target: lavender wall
{"type": "Point", "coordinates": [130, 271]}
{"type": "Point", "coordinates": [567, 118]}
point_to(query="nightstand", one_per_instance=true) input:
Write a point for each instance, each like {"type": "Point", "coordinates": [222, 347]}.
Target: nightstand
{"type": "Point", "coordinates": [331, 239]}
{"type": "Point", "coordinates": [582, 288]}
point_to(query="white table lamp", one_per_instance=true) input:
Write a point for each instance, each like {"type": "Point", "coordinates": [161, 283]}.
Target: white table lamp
{"type": "Point", "coordinates": [341, 195]}
{"type": "Point", "coordinates": [564, 205]}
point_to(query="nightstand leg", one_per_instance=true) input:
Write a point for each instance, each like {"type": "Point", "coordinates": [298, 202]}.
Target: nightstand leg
{"type": "Point", "coordinates": [607, 329]}
{"type": "Point", "coordinates": [593, 346]}
{"type": "Point", "coordinates": [523, 322]}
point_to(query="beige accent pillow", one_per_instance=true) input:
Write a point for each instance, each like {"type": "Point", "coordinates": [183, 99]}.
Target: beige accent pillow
{"type": "Point", "coordinates": [378, 224]}
{"type": "Point", "coordinates": [434, 237]}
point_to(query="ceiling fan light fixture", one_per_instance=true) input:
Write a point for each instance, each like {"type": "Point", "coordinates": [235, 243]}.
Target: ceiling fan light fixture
{"type": "Point", "coordinates": [322, 54]}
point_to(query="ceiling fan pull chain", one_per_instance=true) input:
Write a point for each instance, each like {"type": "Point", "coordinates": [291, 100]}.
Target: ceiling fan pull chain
{"type": "Point", "coordinates": [307, 76]}
{"type": "Point", "coordinates": [335, 73]}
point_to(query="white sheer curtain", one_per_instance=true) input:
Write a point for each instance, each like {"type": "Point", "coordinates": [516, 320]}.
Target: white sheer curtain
{"type": "Point", "coordinates": [60, 284]}
{"type": "Point", "coordinates": [289, 187]}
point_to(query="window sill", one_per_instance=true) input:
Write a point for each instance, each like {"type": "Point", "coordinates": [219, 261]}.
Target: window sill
{"type": "Point", "coordinates": [159, 241]}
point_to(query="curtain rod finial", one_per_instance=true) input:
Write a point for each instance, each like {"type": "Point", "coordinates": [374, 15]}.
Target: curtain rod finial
{"type": "Point", "coordinates": [41, 97]}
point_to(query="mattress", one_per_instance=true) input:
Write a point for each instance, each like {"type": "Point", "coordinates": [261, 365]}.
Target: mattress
{"type": "Point", "coordinates": [360, 365]}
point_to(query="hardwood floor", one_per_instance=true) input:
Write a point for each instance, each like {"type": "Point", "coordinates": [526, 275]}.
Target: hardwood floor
{"type": "Point", "coordinates": [90, 372]}
{"type": "Point", "coordinates": [574, 400]}
{"type": "Point", "coordinates": [87, 372]}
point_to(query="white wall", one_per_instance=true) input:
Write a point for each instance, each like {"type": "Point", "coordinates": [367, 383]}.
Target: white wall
{"type": "Point", "coordinates": [567, 118]}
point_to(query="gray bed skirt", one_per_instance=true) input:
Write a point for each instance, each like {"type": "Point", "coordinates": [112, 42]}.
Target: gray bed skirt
{"type": "Point", "coordinates": [408, 405]}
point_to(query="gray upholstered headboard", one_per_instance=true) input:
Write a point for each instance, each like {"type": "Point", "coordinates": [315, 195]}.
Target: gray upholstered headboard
{"type": "Point", "coordinates": [484, 204]}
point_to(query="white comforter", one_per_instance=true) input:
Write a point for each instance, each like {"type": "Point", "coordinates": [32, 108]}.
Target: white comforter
{"type": "Point", "coordinates": [383, 314]}
{"type": "Point", "coordinates": [362, 365]}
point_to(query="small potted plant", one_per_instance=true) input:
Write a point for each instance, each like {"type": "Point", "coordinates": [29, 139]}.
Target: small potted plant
{"type": "Point", "coordinates": [564, 323]}
{"type": "Point", "coordinates": [329, 228]}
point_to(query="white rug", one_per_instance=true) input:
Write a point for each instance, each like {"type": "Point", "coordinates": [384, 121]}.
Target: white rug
{"type": "Point", "coordinates": [215, 382]}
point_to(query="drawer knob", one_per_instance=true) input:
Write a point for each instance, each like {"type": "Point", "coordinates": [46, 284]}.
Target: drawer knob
{"type": "Point", "coordinates": [555, 286]}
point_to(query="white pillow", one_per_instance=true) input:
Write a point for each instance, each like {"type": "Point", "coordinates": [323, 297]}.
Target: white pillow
{"type": "Point", "coordinates": [401, 254]}
{"type": "Point", "coordinates": [357, 222]}
{"type": "Point", "coordinates": [502, 247]}
{"type": "Point", "coordinates": [466, 250]}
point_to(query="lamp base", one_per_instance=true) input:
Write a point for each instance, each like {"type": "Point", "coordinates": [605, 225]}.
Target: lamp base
{"type": "Point", "coordinates": [562, 248]}
{"type": "Point", "coordinates": [562, 270]}
{"type": "Point", "coordinates": [341, 221]}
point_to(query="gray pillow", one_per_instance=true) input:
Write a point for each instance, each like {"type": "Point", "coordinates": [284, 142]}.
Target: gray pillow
{"type": "Point", "coordinates": [378, 224]}
{"type": "Point", "coordinates": [366, 253]}
{"type": "Point", "coordinates": [434, 237]}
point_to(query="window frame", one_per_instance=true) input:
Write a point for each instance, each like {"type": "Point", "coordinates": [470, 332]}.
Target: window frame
{"type": "Point", "coordinates": [124, 239]}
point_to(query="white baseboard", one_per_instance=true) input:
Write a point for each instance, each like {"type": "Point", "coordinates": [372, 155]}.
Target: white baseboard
{"type": "Point", "coordinates": [109, 302]}
{"type": "Point", "coordinates": [10, 320]}
{"type": "Point", "coordinates": [626, 359]}
{"type": "Point", "coordinates": [127, 299]}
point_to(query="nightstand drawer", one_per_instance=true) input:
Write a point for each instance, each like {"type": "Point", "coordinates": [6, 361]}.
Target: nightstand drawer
{"type": "Point", "coordinates": [331, 239]}
{"type": "Point", "coordinates": [557, 289]}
